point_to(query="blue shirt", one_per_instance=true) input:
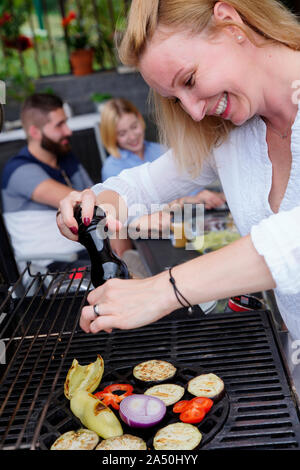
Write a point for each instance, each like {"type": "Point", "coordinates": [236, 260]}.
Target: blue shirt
{"type": "Point", "coordinates": [113, 165]}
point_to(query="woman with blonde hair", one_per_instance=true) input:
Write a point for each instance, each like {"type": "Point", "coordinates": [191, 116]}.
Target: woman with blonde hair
{"type": "Point", "coordinates": [123, 135]}
{"type": "Point", "coordinates": [226, 76]}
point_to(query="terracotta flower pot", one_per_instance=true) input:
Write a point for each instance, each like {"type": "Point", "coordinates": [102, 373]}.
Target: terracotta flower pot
{"type": "Point", "coordinates": [82, 61]}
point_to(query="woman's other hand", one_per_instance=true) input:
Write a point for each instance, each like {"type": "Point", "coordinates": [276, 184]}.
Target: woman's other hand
{"type": "Point", "coordinates": [211, 199]}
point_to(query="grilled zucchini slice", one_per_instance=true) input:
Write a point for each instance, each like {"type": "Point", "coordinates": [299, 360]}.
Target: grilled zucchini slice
{"type": "Point", "coordinates": [125, 442]}
{"type": "Point", "coordinates": [207, 385]}
{"type": "Point", "coordinates": [168, 393]}
{"type": "Point", "coordinates": [83, 439]}
{"type": "Point", "coordinates": [177, 436]}
{"type": "Point", "coordinates": [154, 370]}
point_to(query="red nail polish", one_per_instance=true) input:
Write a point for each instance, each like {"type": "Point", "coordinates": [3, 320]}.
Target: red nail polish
{"type": "Point", "coordinates": [74, 230]}
{"type": "Point", "coordinates": [86, 221]}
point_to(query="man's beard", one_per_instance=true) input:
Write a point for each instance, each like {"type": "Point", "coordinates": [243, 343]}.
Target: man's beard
{"type": "Point", "coordinates": [58, 149]}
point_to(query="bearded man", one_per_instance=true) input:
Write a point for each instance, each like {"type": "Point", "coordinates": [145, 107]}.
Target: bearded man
{"type": "Point", "coordinates": [35, 180]}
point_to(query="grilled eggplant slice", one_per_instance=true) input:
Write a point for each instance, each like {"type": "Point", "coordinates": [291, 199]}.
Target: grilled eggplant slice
{"type": "Point", "coordinates": [177, 436]}
{"type": "Point", "coordinates": [154, 370]}
{"type": "Point", "coordinates": [83, 439]}
{"type": "Point", "coordinates": [207, 385]}
{"type": "Point", "coordinates": [168, 393]}
{"type": "Point", "coordinates": [125, 442]}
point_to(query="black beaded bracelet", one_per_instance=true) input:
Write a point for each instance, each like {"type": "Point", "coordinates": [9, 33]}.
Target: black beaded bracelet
{"type": "Point", "coordinates": [178, 294]}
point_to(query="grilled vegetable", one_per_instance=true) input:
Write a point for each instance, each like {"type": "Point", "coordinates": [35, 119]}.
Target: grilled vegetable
{"type": "Point", "coordinates": [193, 411]}
{"type": "Point", "coordinates": [141, 411]}
{"type": "Point", "coordinates": [125, 442]}
{"type": "Point", "coordinates": [177, 436]}
{"type": "Point", "coordinates": [180, 406]}
{"type": "Point", "coordinates": [108, 397]}
{"type": "Point", "coordinates": [83, 439]}
{"type": "Point", "coordinates": [154, 371]}
{"type": "Point", "coordinates": [192, 415]}
{"type": "Point", "coordinates": [207, 385]}
{"type": "Point", "coordinates": [168, 393]}
{"type": "Point", "coordinates": [95, 415]}
{"type": "Point", "coordinates": [83, 377]}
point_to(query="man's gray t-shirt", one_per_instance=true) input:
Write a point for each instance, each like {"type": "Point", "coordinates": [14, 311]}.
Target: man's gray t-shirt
{"type": "Point", "coordinates": [32, 226]}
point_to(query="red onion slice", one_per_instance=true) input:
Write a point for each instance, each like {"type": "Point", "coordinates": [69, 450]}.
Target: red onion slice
{"type": "Point", "coordinates": [142, 411]}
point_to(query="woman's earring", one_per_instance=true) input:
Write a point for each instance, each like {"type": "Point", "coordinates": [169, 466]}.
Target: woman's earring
{"type": "Point", "coordinates": [240, 38]}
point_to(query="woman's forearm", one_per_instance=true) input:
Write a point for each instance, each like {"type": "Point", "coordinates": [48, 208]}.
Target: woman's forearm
{"type": "Point", "coordinates": [114, 204]}
{"type": "Point", "coordinates": [126, 304]}
{"type": "Point", "coordinates": [232, 270]}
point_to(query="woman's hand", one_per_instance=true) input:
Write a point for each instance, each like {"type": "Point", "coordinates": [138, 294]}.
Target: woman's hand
{"type": "Point", "coordinates": [210, 199]}
{"type": "Point", "coordinates": [127, 304]}
{"type": "Point", "coordinates": [87, 199]}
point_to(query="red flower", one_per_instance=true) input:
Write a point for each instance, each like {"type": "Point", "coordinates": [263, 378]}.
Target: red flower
{"type": "Point", "coordinates": [5, 18]}
{"type": "Point", "coordinates": [67, 20]}
{"type": "Point", "coordinates": [21, 43]}
{"type": "Point", "coordinates": [24, 43]}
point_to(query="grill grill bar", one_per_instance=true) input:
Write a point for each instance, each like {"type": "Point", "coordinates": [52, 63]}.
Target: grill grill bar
{"type": "Point", "coordinates": [39, 425]}
{"type": "Point", "coordinates": [43, 339]}
{"type": "Point", "coordinates": [29, 351]}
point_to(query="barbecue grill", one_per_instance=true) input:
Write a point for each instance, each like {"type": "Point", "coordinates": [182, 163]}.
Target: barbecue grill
{"type": "Point", "coordinates": [41, 335]}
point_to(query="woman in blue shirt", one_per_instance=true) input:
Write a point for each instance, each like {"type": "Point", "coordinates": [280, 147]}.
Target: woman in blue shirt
{"type": "Point", "coordinates": [123, 136]}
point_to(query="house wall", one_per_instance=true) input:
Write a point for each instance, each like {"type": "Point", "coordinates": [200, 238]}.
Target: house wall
{"type": "Point", "coordinates": [77, 90]}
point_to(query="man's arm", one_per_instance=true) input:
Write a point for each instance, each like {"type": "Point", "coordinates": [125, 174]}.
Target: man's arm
{"type": "Point", "coordinates": [50, 192]}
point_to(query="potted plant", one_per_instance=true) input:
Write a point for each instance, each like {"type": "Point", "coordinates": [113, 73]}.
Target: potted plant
{"type": "Point", "coordinates": [10, 25]}
{"type": "Point", "coordinates": [82, 53]}
{"type": "Point", "coordinates": [100, 99]}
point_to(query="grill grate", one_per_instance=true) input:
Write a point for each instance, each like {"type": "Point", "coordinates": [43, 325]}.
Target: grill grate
{"type": "Point", "coordinates": [42, 338]}
{"type": "Point", "coordinates": [60, 419]}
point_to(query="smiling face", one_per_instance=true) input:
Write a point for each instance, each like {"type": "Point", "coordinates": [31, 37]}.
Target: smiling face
{"type": "Point", "coordinates": [130, 133]}
{"type": "Point", "coordinates": [207, 76]}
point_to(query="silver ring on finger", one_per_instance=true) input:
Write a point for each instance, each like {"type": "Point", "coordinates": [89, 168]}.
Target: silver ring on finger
{"type": "Point", "coordinates": [96, 310]}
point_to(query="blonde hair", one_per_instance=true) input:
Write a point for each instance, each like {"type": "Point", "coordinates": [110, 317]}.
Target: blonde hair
{"type": "Point", "coordinates": [193, 141]}
{"type": "Point", "coordinates": [112, 111]}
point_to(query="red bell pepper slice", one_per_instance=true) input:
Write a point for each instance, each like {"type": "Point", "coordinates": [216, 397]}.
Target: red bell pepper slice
{"type": "Point", "coordinates": [204, 402]}
{"type": "Point", "coordinates": [193, 411]}
{"type": "Point", "coordinates": [180, 406]}
{"type": "Point", "coordinates": [192, 415]}
{"type": "Point", "coordinates": [109, 398]}
{"type": "Point", "coordinates": [127, 388]}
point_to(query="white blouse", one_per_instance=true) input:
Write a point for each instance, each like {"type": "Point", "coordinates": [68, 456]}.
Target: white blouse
{"type": "Point", "coordinates": [243, 166]}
